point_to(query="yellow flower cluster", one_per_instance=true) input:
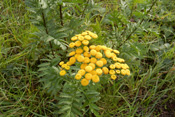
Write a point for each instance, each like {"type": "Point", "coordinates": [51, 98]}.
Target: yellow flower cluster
{"type": "Point", "coordinates": [93, 60]}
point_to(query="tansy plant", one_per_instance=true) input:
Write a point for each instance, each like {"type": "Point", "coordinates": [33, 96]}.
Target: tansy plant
{"type": "Point", "coordinates": [93, 61]}
{"type": "Point", "coordinates": [76, 81]}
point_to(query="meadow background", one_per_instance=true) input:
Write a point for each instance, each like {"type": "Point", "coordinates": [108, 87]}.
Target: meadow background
{"type": "Point", "coordinates": [142, 30]}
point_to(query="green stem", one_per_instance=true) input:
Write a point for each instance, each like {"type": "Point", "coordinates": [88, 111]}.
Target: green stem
{"type": "Point", "coordinates": [50, 43]}
{"type": "Point", "coordinates": [61, 15]}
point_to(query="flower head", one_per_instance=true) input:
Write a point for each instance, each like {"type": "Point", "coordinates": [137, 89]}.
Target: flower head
{"type": "Point", "coordinates": [93, 52]}
{"type": "Point", "coordinates": [71, 45]}
{"type": "Point", "coordinates": [105, 70]}
{"type": "Point", "coordinates": [79, 51]}
{"type": "Point", "coordinates": [98, 55]}
{"type": "Point", "coordinates": [78, 76]}
{"type": "Point", "coordinates": [72, 53]}
{"type": "Point", "coordinates": [92, 65]}
{"type": "Point", "coordinates": [80, 58]}
{"type": "Point", "coordinates": [74, 38]}
{"type": "Point", "coordinates": [99, 63]}
{"type": "Point", "coordinates": [88, 76]}
{"type": "Point", "coordinates": [104, 61]}
{"type": "Point", "coordinates": [93, 60]}
{"type": "Point", "coordinates": [111, 72]}
{"type": "Point", "coordinates": [85, 42]}
{"type": "Point", "coordinates": [113, 77]}
{"type": "Point", "coordinates": [87, 37]}
{"type": "Point", "coordinates": [86, 49]}
{"type": "Point", "coordinates": [88, 68]}
{"type": "Point", "coordinates": [82, 72]}
{"type": "Point", "coordinates": [95, 78]}
{"type": "Point", "coordinates": [78, 43]}
{"type": "Point", "coordinates": [84, 82]}
{"type": "Point", "coordinates": [99, 71]}
{"type": "Point", "coordinates": [81, 38]}
{"type": "Point", "coordinates": [86, 60]}
{"type": "Point", "coordinates": [61, 63]}
{"type": "Point", "coordinates": [62, 72]}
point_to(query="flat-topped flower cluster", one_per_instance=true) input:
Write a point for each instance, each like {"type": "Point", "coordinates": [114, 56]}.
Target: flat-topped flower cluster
{"type": "Point", "coordinates": [96, 60]}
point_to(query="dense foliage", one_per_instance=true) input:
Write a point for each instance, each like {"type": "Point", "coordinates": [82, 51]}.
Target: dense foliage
{"type": "Point", "coordinates": [35, 37]}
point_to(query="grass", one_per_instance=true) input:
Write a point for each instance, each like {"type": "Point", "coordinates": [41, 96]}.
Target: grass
{"type": "Point", "coordinates": [149, 91]}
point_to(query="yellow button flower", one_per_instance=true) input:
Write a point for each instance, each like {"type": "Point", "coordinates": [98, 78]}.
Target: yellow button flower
{"type": "Point", "coordinates": [72, 53]}
{"type": "Point", "coordinates": [111, 72]}
{"type": "Point", "coordinates": [108, 54]}
{"type": "Point", "coordinates": [85, 42]}
{"type": "Point", "coordinates": [78, 76]}
{"type": "Point", "coordinates": [116, 51]}
{"type": "Point", "coordinates": [84, 33]}
{"type": "Point", "coordinates": [86, 54]}
{"type": "Point", "coordinates": [78, 43]}
{"type": "Point", "coordinates": [88, 68]}
{"type": "Point", "coordinates": [93, 72]}
{"type": "Point", "coordinates": [92, 65]}
{"type": "Point", "coordinates": [62, 72]}
{"type": "Point", "coordinates": [84, 82]}
{"type": "Point", "coordinates": [71, 45]}
{"type": "Point", "coordinates": [112, 66]}
{"type": "Point", "coordinates": [72, 60]}
{"type": "Point", "coordinates": [68, 63]}
{"type": "Point", "coordinates": [86, 60]}
{"type": "Point", "coordinates": [115, 58]}
{"type": "Point", "coordinates": [113, 55]}
{"type": "Point", "coordinates": [95, 78]}
{"type": "Point", "coordinates": [113, 77]}
{"type": "Point", "coordinates": [98, 48]}
{"type": "Point", "coordinates": [105, 70]}
{"type": "Point", "coordinates": [104, 61]}
{"type": "Point", "coordinates": [99, 63]}
{"type": "Point", "coordinates": [104, 48]}
{"type": "Point", "coordinates": [123, 72]}
{"type": "Point", "coordinates": [87, 37]}
{"type": "Point", "coordinates": [99, 71]}
{"type": "Point", "coordinates": [88, 76]}
{"type": "Point", "coordinates": [77, 55]}
{"type": "Point", "coordinates": [83, 66]}
{"type": "Point", "coordinates": [98, 55]}
{"type": "Point", "coordinates": [61, 63]}
{"type": "Point", "coordinates": [74, 38]}
{"type": "Point", "coordinates": [67, 67]}
{"type": "Point", "coordinates": [79, 51]}
{"type": "Point", "coordinates": [64, 65]}
{"type": "Point", "coordinates": [81, 38]}
{"type": "Point", "coordinates": [118, 71]}
{"type": "Point", "coordinates": [120, 60]}
{"type": "Point", "coordinates": [124, 66]}
{"type": "Point", "coordinates": [80, 58]}
{"type": "Point", "coordinates": [82, 72]}
{"type": "Point", "coordinates": [93, 35]}
{"type": "Point", "coordinates": [127, 72]}
{"type": "Point", "coordinates": [92, 47]}
{"type": "Point", "coordinates": [93, 52]}
{"type": "Point", "coordinates": [85, 48]}
{"type": "Point", "coordinates": [117, 65]}
{"type": "Point", "coordinates": [93, 60]}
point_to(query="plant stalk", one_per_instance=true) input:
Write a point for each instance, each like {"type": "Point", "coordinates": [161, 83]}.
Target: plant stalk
{"type": "Point", "coordinates": [61, 15]}
{"type": "Point", "coordinates": [50, 43]}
